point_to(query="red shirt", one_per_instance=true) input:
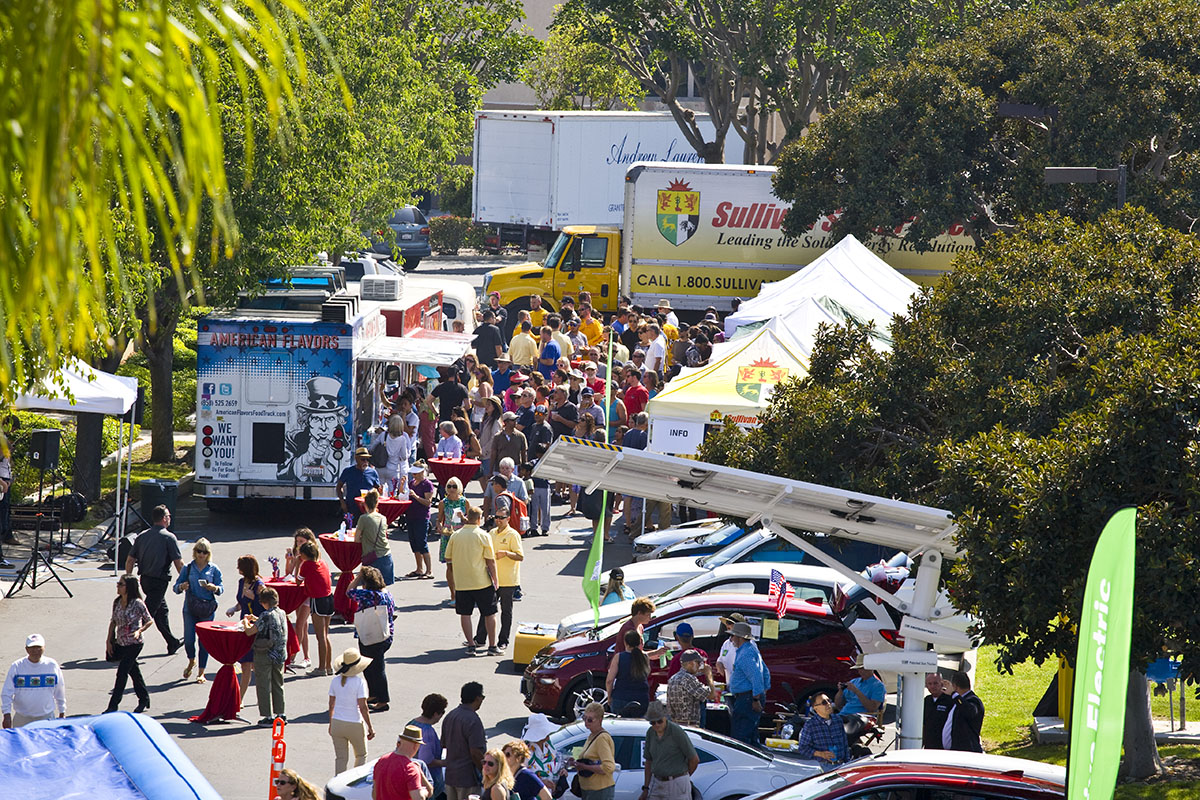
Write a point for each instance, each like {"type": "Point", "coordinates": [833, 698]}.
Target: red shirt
{"type": "Point", "coordinates": [596, 385]}
{"type": "Point", "coordinates": [677, 665]}
{"type": "Point", "coordinates": [396, 776]}
{"type": "Point", "coordinates": [317, 582]}
{"type": "Point", "coordinates": [636, 398]}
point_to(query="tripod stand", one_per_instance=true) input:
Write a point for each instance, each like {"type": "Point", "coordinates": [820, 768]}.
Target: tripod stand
{"type": "Point", "coordinates": [29, 573]}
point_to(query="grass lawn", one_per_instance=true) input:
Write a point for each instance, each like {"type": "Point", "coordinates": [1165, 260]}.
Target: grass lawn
{"type": "Point", "coordinates": [1010, 700]}
{"type": "Point", "coordinates": [143, 469]}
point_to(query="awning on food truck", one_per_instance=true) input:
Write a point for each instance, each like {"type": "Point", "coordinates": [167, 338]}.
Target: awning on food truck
{"type": "Point", "coordinates": [422, 347]}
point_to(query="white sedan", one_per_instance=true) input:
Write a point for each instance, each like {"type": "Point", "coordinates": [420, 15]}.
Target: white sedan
{"type": "Point", "coordinates": [728, 769]}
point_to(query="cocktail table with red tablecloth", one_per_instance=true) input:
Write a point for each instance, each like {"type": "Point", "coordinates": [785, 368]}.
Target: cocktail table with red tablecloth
{"type": "Point", "coordinates": [291, 597]}
{"type": "Point", "coordinates": [465, 469]}
{"type": "Point", "coordinates": [390, 507]}
{"type": "Point", "coordinates": [346, 555]}
{"type": "Point", "coordinates": [227, 642]}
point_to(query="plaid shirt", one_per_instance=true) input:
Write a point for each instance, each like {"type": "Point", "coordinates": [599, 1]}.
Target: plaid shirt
{"type": "Point", "coordinates": [684, 695]}
{"type": "Point", "coordinates": [820, 734]}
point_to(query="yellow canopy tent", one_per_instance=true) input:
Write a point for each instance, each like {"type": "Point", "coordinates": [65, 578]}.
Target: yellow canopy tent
{"type": "Point", "coordinates": [738, 386]}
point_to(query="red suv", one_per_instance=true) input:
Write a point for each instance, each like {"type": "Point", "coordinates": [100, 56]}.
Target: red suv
{"type": "Point", "coordinates": [809, 649]}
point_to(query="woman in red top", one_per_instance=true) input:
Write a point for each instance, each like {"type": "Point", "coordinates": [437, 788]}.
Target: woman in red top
{"type": "Point", "coordinates": [318, 585]}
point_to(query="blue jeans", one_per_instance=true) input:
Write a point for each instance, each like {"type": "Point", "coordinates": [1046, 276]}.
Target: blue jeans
{"type": "Point", "coordinates": [743, 719]}
{"type": "Point", "coordinates": [539, 509]}
{"type": "Point", "coordinates": [189, 636]}
{"type": "Point", "coordinates": [386, 568]}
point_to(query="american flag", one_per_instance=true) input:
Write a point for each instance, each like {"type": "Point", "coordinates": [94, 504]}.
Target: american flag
{"type": "Point", "coordinates": [782, 591]}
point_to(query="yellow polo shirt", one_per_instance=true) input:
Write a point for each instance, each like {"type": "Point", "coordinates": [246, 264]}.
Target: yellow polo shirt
{"type": "Point", "coordinates": [593, 330]}
{"type": "Point", "coordinates": [524, 350]}
{"type": "Point", "coordinates": [468, 550]}
{"type": "Point", "coordinates": [508, 571]}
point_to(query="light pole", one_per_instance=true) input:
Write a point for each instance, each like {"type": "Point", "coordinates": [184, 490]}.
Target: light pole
{"type": "Point", "coordinates": [1089, 175]}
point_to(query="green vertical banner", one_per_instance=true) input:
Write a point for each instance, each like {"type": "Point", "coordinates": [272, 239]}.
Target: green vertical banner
{"type": "Point", "coordinates": [591, 573]}
{"type": "Point", "coordinates": [1102, 663]}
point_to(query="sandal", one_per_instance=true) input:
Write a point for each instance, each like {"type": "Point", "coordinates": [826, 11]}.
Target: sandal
{"type": "Point", "coordinates": [414, 574]}
{"type": "Point", "coordinates": [428, 576]}
{"type": "Point", "coordinates": [187, 672]}
{"type": "Point", "coordinates": [201, 679]}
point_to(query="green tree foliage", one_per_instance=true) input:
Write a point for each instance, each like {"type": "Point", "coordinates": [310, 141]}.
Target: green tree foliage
{"type": "Point", "coordinates": [1048, 381]}
{"type": "Point", "coordinates": [387, 112]}
{"type": "Point", "coordinates": [112, 126]}
{"type": "Point", "coordinates": [573, 73]}
{"type": "Point", "coordinates": [758, 59]}
{"type": "Point", "coordinates": [926, 140]}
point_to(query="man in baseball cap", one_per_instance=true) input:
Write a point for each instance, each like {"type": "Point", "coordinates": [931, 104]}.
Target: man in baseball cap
{"type": "Point", "coordinates": [33, 687]}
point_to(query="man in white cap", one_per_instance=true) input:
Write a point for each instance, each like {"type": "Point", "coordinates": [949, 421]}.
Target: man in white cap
{"type": "Point", "coordinates": [398, 775]}
{"type": "Point", "coordinates": [33, 687]}
{"type": "Point", "coordinates": [664, 308]}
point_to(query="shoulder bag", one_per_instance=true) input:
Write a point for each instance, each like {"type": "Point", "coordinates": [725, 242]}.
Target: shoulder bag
{"type": "Point", "coordinates": [198, 607]}
{"type": "Point", "coordinates": [371, 624]}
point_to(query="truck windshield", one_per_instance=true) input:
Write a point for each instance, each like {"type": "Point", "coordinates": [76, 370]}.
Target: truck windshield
{"type": "Point", "coordinates": [556, 251]}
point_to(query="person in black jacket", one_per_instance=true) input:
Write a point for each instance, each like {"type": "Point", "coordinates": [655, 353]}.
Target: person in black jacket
{"type": "Point", "coordinates": [965, 719]}
{"type": "Point", "coordinates": [937, 706]}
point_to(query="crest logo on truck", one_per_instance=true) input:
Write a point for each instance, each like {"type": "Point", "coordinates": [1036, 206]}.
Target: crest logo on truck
{"type": "Point", "coordinates": [678, 212]}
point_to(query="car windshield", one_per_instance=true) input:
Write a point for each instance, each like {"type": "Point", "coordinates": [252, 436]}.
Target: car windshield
{"type": "Point", "coordinates": [732, 551]}
{"type": "Point", "coordinates": [556, 251]}
{"type": "Point", "coordinates": [720, 535]}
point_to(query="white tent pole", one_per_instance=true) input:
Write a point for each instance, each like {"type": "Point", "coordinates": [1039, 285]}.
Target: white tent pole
{"type": "Point", "coordinates": [117, 521]}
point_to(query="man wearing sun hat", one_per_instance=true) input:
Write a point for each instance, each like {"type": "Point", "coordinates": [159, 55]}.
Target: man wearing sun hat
{"type": "Point", "coordinates": [748, 684]}
{"type": "Point", "coordinates": [398, 775]}
{"type": "Point", "coordinates": [33, 687]}
{"type": "Point", "coordinates": [356, 479]}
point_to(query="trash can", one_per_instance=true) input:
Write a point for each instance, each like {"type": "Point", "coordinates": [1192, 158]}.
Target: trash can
{"type": "Point", "coordinates": [158, 492]}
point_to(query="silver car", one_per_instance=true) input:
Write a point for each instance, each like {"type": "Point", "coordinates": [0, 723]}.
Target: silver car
{"type": "Point", "coordinates": [728, 769]}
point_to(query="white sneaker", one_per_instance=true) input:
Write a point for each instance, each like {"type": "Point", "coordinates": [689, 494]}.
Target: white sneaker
{"type": "Point", "coordinates": [305, 664]}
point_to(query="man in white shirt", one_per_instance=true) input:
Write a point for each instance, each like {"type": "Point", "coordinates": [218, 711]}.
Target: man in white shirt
{"type": "Point", "coordinates": [656, 348]}
{"type": "Point", "coordinates": [33, 687]}
{"type": "Point", "coordinates": [664, 308]}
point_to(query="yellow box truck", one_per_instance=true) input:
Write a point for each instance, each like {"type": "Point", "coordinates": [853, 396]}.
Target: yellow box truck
{"type": "Point", "coordinates": [697, 235]}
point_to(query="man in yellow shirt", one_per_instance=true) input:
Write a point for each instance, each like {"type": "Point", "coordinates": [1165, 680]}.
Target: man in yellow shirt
{"type": "Point", "coordinates": [471, 573]}
{"type": "Point", "coordinates": [537, 314]}
{"type": "Point", "coordinates": [524, 349]}
{"type": "Point", "coordinates": [506, 544]}
{"type": "Point", "coordinates": [560, 338]}
{"type": "Point", "coordinates": [589, 326]}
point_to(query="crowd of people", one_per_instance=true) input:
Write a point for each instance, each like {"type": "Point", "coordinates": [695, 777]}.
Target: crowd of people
{"type": "Point", "coordinates": [562, 373]}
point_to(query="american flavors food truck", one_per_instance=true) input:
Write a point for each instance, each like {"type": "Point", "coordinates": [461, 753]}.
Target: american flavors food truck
{"type": "Point", "coordinates": [283, 397]}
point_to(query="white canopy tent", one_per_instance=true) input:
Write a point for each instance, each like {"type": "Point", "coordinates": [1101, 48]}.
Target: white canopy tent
{"type": "Point", "coordinates": [80, 389]}
{"type": "Point", "coordinates": [848, 274]}
{"type": "Point", "coordinates": [428, 347]}
{"type": "Point", "coordinates": [786, 506]}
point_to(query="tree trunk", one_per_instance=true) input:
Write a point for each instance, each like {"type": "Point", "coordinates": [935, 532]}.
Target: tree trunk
{"type": "Point", "coordinates": [1141, 752]}
{"type": "Point", "coordinates": [88, 444]}
{"type": "Point", "coordinates": [160, 355]}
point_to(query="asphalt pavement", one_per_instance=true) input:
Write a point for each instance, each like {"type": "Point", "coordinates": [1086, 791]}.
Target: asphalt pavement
{"type": "Point", "coordinates": [427, 655]}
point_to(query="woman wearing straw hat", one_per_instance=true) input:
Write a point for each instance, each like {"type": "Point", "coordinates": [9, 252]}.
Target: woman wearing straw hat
{"type": "Point", "coordinates": [349, 717]}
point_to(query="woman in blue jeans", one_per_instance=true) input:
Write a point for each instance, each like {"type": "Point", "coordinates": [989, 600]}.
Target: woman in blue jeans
{"type": "Point", "coordinates": [368, 591]}
{"type": "Point", "coordinates": [201, 580]}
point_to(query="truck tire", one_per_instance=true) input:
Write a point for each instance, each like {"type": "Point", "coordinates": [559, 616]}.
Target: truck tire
{"type": "Point", "coordinates": [510, 322]}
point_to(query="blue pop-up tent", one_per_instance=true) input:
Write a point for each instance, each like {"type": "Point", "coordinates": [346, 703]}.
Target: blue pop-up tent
{"type": "Point", "coordinates": [118, 756]}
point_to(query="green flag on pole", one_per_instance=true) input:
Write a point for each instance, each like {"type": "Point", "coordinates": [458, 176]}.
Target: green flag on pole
{"type": "Point", "coordinates": [591, 573]}
{"type": "Point", "coordinates": [1102, 663]}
